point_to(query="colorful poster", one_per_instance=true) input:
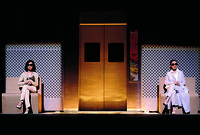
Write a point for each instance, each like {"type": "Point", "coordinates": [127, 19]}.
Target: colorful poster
{"type": "Point", "coordinates": [134, 56]}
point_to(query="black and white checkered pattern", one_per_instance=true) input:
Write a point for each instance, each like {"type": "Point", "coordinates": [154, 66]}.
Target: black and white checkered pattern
{"type": "Point", "coordinates": [155, 64]}
{"type": "Point", "coordinates": [47, 58]}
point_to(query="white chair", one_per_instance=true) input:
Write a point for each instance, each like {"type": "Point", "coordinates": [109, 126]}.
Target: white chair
{"type": "Point", "coordinates": [11, 97]}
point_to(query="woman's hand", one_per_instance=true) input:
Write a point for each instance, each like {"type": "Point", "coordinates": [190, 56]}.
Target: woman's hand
{"type": "Point", "coordinates": [177, 83]}
{"type": "Point", "coordinates": [29, 82]}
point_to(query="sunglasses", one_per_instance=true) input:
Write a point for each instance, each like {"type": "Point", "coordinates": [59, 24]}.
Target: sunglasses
{"type": "Point", "coordinates": [174, 64]}
{"type": "Point", "coordinates": [30, 64]}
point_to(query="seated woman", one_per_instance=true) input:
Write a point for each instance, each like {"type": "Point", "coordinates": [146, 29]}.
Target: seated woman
{"type": "Point", "coordinates": [177, 92]}
{"type": "Point", "coordinates": [29, 81]}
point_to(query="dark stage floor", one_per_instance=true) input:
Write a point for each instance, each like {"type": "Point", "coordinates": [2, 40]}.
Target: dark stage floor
{"type": "Point", "coordinates": [101, 121]}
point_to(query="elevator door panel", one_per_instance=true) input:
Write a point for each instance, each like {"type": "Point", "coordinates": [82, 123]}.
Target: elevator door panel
{"type": "Point", "coordinates": [115, 68]}
{"type": "Point", "coordinates": [91, 68]}
{"type": "Point", "coordinates": [102, 69]}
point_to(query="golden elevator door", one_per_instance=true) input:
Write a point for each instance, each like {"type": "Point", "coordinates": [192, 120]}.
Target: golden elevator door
{"type": "Point", "coordinates": [115, 68]}
{"type": "Point", "coordinates": [102, 68]}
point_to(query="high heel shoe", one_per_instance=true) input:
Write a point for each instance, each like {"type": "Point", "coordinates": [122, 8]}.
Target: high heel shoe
{"type": "Point", "coordinates": [165, 104]}
{"type": "Point", "coordinates": [27, 111]}
{"type": "Point", "coordinates": [19, 106]}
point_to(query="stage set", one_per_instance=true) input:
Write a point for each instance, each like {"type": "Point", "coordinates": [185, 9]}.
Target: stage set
{"type": "Point", "coordinates": [109, 65]}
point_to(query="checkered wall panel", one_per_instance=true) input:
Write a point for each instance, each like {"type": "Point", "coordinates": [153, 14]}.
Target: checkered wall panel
{"type": "Point", "coordinates": [47, 58]}
{"type": "Point", "coordinates": [155, 64]}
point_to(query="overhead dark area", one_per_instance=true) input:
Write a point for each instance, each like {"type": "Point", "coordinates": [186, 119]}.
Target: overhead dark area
{"type": "Point", "coordinates": [156, 24]}
{"type": "Point", "coordinates": [103, 17]}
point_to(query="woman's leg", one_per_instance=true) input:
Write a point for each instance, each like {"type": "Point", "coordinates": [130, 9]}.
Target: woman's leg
{"type": "Point", "coordinates": [22, 97]}
{"type": "Point", "coordinates": [175, 97]}
{"type": "Point", "coordinates": [169, 94]}
{"type": "Point", "coordinates": [29, 89]}
{"type": "Point", "coordinates": [174, 101]}
{"type": "Point", "coordinates": [23, 92]}
{"type": "Point", "coordinates": [173, 110]}
{"type": "Point", "coordinates": [170, 90]}
{"type": "Point", "coordinates": [166, 100]}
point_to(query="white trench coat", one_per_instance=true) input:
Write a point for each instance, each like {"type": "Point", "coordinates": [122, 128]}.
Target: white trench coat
{"type": "Point", "coordinates": [179, 95]}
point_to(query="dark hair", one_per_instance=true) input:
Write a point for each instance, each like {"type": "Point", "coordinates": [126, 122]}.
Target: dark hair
{"type": "Point", "coordinates": [33, 69]}
{"type": "Point", "coordinates": [172, 61]}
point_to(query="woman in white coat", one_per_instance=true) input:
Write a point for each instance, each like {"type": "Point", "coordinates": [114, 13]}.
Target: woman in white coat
{"type": "Point", "coordinates": [177, 93]}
